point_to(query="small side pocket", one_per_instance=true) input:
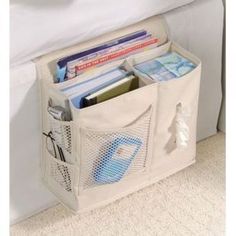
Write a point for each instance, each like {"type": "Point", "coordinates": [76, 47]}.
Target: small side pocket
{"type": "Point", "coordinates": [61, 133]}
{"type": "Point", "coordinates": [176, 119]}
{"type": "Point", "coordinates": [60, 174]}
{"type": "Point", "coordinates": [62, 179]}
{"type": "Point", "coordinates": [108, 156]}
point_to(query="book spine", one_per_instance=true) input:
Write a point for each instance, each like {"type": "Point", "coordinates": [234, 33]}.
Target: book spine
{"type": "Point", "coordinates": [115, 55]}
{"type": "Point", "coordinates": [71, 71]}
{"type": "Point", "coordinates": [63, 61]}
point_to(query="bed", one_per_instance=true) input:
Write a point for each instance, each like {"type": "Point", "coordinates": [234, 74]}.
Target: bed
{"type": "Point", "coordinates": [39, 26]}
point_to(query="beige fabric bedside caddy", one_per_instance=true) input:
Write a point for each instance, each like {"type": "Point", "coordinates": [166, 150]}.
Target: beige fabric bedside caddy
{"type": "Point", "coordinates": [150, 113]}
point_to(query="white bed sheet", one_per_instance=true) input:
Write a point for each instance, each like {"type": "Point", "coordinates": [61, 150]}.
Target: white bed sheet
{"type": "Point", "coordinates": [39, 27]}
{"type": "Point", "coordinates": [197, 27]}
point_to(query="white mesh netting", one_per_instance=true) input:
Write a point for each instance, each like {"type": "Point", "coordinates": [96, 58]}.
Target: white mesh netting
{"type": "Point", "coordinates": [61, 133]}
{"type": "Point", "coordinates": [108, 157]}
{"type": "Point", "coordinates": [60, 173]}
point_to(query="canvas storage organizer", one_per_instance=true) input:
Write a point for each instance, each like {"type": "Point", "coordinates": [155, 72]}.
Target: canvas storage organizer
{"type": "Point", "coordinates": [159, 118]}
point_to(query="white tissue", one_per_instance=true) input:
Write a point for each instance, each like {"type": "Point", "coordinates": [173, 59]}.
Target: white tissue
{"type": "Point", "coordinates": [182, 129]}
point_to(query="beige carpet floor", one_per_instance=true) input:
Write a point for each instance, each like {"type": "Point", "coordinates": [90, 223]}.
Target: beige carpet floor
{"type": "Point", "coordinates": [191, 202]}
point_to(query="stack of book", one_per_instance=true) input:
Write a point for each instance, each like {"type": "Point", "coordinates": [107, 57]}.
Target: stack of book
{"type": "Point", "coordinates": [109, 84]}
{"type": "Point", "coordinates": [74, 65]}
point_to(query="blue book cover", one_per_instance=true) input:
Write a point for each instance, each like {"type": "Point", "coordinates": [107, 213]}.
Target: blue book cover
{"type": "Point", "coordinates": [155, 70]}
{"type": "Point", "coordinates": [61, 64]}
{"type": "Point", "coordinates": [77, 100]}
{"type": "Point", "coordinates": [83, 89]}
{"type": "Point", "coordinates": [176, 64]}
{"type": "Point", "coordinates": [77, 86]}
{"type": "Point", "coordinates": [117, 159]}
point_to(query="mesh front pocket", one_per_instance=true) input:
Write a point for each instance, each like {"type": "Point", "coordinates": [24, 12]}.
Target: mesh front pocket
{"type": "Point", "coordinates": [61, 173]}
{"type": "Point", "coordinates": [109, 156]}
{"type": "Point", "coordinates": [61, 133]}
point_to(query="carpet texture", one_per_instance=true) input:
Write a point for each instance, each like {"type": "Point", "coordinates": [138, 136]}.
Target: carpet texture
{"type": "Point", "coordinates": [191, 202]}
